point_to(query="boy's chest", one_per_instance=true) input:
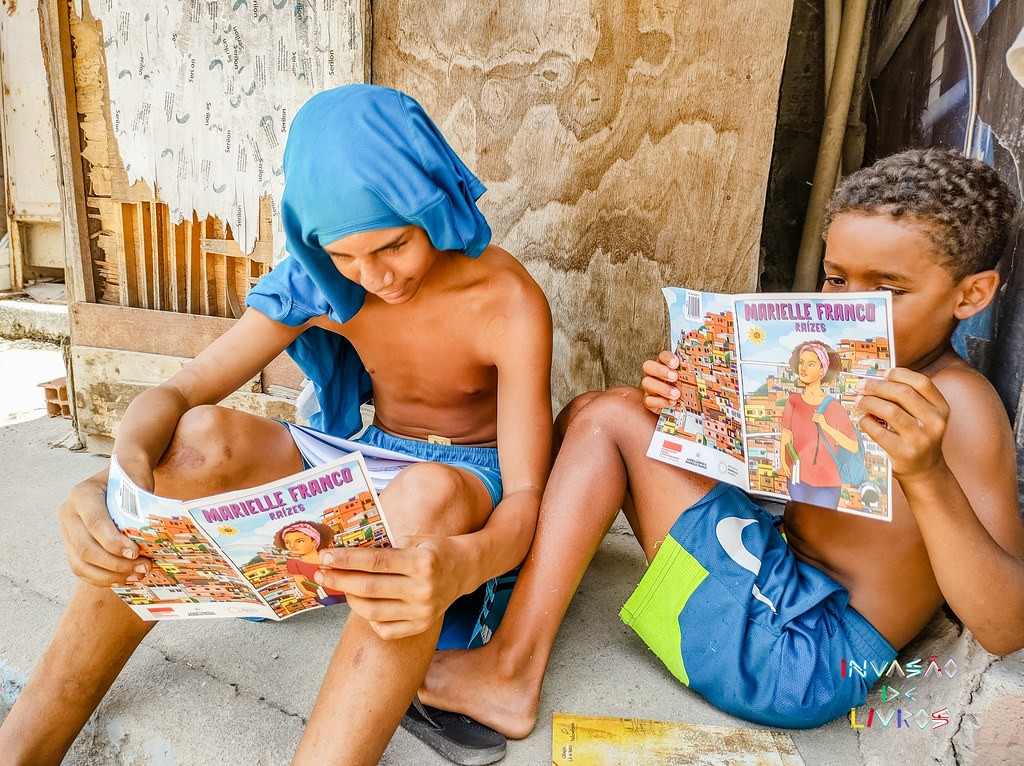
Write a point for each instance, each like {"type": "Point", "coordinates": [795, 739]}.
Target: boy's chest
{"type": "Point", "coordinates": [443, 352]}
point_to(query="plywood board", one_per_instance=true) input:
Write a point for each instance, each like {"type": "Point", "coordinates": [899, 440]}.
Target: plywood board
{"type": "Point", "coordinates": [625, 146]}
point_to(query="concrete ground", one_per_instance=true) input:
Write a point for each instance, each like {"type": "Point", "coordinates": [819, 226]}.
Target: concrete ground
{"type": "Point", "coordinates": [230, 692]}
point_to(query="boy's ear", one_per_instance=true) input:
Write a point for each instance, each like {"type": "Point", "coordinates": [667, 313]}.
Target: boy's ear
{"type": "Point", "coordinates": [976, 292]}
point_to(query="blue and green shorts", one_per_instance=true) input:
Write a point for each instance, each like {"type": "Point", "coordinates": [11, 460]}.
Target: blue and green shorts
{"type": "Point", "coordinates": [737, 617]}
{"type": "Point", "coordinates": [471, 619]}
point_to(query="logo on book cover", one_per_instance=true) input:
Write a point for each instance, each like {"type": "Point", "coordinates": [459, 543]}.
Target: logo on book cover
{"type": "Point", "coordinates": [671, 451]}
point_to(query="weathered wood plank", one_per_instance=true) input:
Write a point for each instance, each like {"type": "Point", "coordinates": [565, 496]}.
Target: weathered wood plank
{"type": "Point", "coordinates": [894, 27]}
{"type": "Point", "coordinates": [625, 145]}
{"type": "Point", "coordinates": [55, 22]}
{"type": "Point", "coordinates": [136, 367]}
{"type": "Point", "coordinates": [107, 380]}
{"type": "Point", "coordinates": [152, 332]}
{"type": "Point", "coordinates": [127, 263]}
{"type": "Point", "coordinates": [263, 251]}
{"type": "Point", "coordinates": [158, 332]}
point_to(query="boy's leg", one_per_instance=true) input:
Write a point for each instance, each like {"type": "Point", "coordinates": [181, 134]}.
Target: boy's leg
{"type": "Point", "coordinates": [601, 467]}
{"type": "Point", "coordinates": [93, 641]}
{"type": "Point", "coordinates": [371, 681]}
{"type": "Point", "coordinates": [213, 450]}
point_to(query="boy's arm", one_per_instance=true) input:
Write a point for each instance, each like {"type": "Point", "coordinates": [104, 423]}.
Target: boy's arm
{"type": "Point", "coordinates": [435, 569]}
{"type": "Point", "coordinates": [97, 551]}
{"type": "Point", "coordinates": [955, 464]}
{"type": "Point", "coordinates": [521, 341]}
{"type": "Point", "coordinates": [248, 346]}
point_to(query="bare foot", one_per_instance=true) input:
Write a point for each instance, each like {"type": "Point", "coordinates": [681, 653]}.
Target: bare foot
{"type": "Point", "coordinates": [475, 683]}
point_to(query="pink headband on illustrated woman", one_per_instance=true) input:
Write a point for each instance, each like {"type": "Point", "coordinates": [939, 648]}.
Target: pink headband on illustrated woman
{"type": "Point", "coordinates": [819, 351]}
{"type": "Point", "coordinates": [305, 529]}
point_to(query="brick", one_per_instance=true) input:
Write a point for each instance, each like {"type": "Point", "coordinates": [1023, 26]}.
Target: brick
{"type": "Point", "coordinates": [56, 393]}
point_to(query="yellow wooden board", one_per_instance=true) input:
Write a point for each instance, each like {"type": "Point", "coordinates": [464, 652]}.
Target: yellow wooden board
{"type": "Point", "coordinates": [589, 741]}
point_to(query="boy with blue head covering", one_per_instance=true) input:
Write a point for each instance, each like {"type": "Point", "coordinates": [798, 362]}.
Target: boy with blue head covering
{"type": "Point", "coordinates": [391, 292]}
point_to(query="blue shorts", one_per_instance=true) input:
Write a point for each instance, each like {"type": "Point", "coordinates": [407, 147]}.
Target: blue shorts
{"type": "Point", "coordinates": [738, 618]}
{"type": "Point", "coordinates": [482, 462]}
{"type": "Point", "coordinates": [471, 619]}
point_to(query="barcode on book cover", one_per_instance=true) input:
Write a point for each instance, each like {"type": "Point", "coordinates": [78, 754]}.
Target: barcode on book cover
{"type": "Point", "coordinates": [693, 309]}
{"type": "Point", "coordinates": [128, 501]}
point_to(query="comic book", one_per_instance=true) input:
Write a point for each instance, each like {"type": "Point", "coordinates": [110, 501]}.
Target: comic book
{"type": "Point", "coordinates": [251, 553]}
{"type": "Point", "coordinates": [767, 388]}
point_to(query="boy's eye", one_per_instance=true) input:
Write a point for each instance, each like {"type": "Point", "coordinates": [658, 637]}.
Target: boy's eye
{"type": "Point", "coordinates": [894, 290]}
{"type": "Point", "coordinates": [834, 281]}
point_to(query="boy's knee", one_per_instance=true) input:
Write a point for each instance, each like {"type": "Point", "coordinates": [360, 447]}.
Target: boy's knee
{"type": "Point", "coordinates": [572, 409]}
{"type": "Point", "coordinates": [200, 438]}
{"type": "Point", "coordinates": [428, 498]}
{"type": "Point", "coordinates": [614, 408]}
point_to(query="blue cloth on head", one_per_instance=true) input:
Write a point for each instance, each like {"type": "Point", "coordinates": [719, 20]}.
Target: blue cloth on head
{"type": "Point", "coordinates": [358, 158]}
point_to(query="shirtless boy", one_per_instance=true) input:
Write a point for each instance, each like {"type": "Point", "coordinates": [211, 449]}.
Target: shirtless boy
{"type": "Point", "coordinates": [928, 226]}
{"type": "Point", "coordinates": [389, 259]}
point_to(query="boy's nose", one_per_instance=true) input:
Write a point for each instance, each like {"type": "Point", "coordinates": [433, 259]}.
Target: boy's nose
{"type": "Point", "coordinates": [376, 280]}
{"type": "Point", "coordinates": [375, 277]}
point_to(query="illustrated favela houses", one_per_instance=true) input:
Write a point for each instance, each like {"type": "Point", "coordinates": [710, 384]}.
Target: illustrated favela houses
{"type": "Point", "coordinates": [189, 571]}
{"type": "Point", "coordinates": [355, 522]}
{"type": "Point", "coordinates": [708, 411]}
{"type": "Point", "coordinates": [187, 567]}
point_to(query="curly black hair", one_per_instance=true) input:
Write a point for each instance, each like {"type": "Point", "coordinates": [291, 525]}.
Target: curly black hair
{"type": "Point", "coordinates": [962, 204]}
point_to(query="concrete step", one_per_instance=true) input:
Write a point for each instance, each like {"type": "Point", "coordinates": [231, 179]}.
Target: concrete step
{"type": "Point", "coordinates": [23, 317]}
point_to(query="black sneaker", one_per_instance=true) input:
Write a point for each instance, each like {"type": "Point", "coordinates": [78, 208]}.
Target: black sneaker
{"type": "Point", "coordinates": [457, 737]}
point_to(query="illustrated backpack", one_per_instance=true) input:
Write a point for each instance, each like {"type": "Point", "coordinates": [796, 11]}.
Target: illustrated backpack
{"type": "Point", "coordinates": [852, 469]}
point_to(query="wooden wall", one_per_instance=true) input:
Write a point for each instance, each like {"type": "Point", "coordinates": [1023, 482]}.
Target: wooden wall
{"type": "Point", "coordinates": [139, 258]}
{"type": "Point", "coordinates": [163, 291]}
{"type": "Point", "coordinates": [625, 146]}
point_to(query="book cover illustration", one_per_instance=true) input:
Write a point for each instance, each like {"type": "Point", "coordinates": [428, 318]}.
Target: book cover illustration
{"type": "Point", "coordinates": [251, 553]}
{"type": "Point", "coordinates": [767, 386]}
{"type": "Point", "coordinates": [592, 741]}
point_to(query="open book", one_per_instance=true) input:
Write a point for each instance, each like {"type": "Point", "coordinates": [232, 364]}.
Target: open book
{"type": "Point", "coordinates": [251, 553]}
{"type": "Point", "coordinates": [767, 394]}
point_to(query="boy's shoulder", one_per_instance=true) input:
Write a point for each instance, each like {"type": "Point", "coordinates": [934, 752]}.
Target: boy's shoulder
{"type": "Point", "coordinates": [495, 260]}
{"type": "Point", "coordinates": [978, 430]}
{"type": "Point", "coordinates": [964, 388]}
{"type": "Point", "coordinates": [504, 280]}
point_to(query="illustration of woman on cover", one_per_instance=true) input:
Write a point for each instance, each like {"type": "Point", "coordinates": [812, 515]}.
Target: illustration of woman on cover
{"type": "Point", "coordinates": [812, 475]}
{"type": "Point", "coordinates": [304, 540]}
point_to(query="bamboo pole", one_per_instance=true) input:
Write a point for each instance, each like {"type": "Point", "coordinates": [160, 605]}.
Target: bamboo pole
{"type": "Point", "coordinates": [833, 20]}
{"type": "Point", "coordinates": [830, 151]}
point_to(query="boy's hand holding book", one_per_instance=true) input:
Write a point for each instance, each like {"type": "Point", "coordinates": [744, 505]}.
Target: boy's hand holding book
{"type": "Point", "coordinates": [660, 376]}
{"type": "Point", "coordinates": [906, 415]}
{"type": "Point", "coordinates": [96, 550]}
{"type": "Point", "coordinates": [400, 591]}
